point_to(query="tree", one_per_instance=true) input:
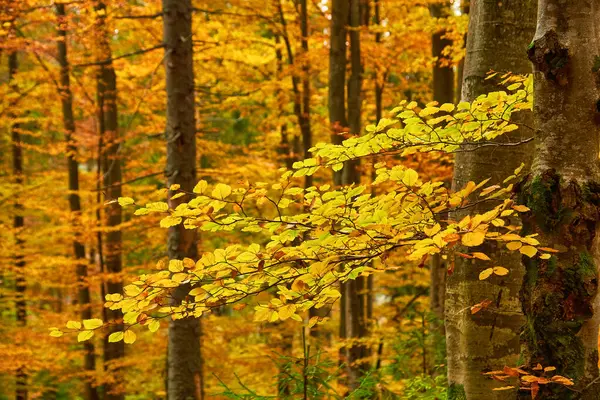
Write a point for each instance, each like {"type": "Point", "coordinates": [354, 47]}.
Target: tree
{"type": "Point", "coordinates": [488, 339]}
{"type": "Point", "coordinates": [559, 292]}
{"type": "Point", "coordinates": [111, 179]}
{"type": "Point", "coordinates": [66, 98]}
{"type": "Point", "coordinates": [185, 378]}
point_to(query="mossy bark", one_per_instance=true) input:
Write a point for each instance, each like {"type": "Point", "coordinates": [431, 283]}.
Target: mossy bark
{"type": "Point", "coordinates": [563, 192]}
{"type": "Point", "coordinates": [488, 340]}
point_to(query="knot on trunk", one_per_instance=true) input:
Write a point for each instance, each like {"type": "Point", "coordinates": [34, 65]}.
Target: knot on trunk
{"type": "Point", "coordinates": [550, 57]}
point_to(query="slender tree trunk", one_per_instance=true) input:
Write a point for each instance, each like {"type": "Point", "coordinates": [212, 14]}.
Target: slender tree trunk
{"type": "Point", "coordinates": [378, 84]}
{"type": "Point", "coordinates": [559, 294]}
{"type": "Point", "coordinates": [66, 98]}
{"type": "Point", "coordinates": [337, 74]}
{"type": "Point", "coordinates": [305, 120]}
{"type": "Point", "coordinates": [465, 6]}
{"type": "Point", "coordinates": [443, 92]}
{"type": "Point", "coordinates": [489, 339]}
{"type": "Point", "coordinates": [22, 392]}
{"type": "Point", "coordinates": [185, 378]}
{"type": "Point", "coordinates": [354, 292]}
{"type": "Point", "coordinates": [111, 170]}
{"type": "Point", "coordinates": [285, 149]}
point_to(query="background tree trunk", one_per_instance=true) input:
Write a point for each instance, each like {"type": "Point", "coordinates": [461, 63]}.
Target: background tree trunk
{"type": "Point", "coordinates": [559, 294]}
{"type": "Point", "coordinates": [66, 98]}
{"type": "Point", "coordinates": [185, 379]}
{"type": "Point", "coordinates": [111, 174]}
{"type": "Point", "coordinates": [22, 392]}
{"type": "Point", "coordinates": [489, 339]}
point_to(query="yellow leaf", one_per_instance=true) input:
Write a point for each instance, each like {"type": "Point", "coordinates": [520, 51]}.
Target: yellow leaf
{"type": "Point", "coordinates": [410, 177]}
{"type": "Point", "coordinates": [200, 187]}
{"type": "Point", "coordinates": [154, 325]}
{"type": "Point", "coordinates": [501, 271]}
{"type": "Point", "coordinates": [529, 251]}
{"type": "Point", "coordinates": [546, 256]}
{"type": "Point", "coordinates": [481, 256]}
{"type": "Point", "coordinates": [115, 337]}
{"type": "Point", "coordinates": [514, 245]}
{"type": "Point", "coordinates": [92, 323]}
{"type": "Point", "coordinates": [85, 335]}
{"type": "Point", "coordinates": [175, 186]}
{"type": "Point", "coordinates": [175, 265]}
{"type": "Point", "coordinates": [486, 273]}
{"type": "Point", "coordinates": [158, 206]}
{"type": "Point", "coordinates": [56, 333]}
{"type": "Point", "coordinates": [548, 369]}
{"type": "Point", "coordinates": [74, 325]}
{"type": "Point", "coordinates": [178, 195]}
{"type": "Point", "coordinates": [521, 208]}
{"type": "Point", "coordinates": [221, 191]}
{"type": "Point", "coordinates": [129, 337]}
{"type": "Point", "coordinates": [504, 388]}
{"type": "Point", "coordinates": [433, 230]}
{"type": "Point", "coordinates": [471, 239]}
{"type": "Point", "coordinates": [170, 221]}
{"type": "Point", "coordinates": [125, 201]}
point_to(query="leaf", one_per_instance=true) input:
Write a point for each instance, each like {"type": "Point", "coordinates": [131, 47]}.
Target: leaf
{"type": "Point", "coordinates": [92, 323]}
{"type": "Point", "coordinates": [481, 256]}
{"type": "Point", "coordinates": [200, 187]}
{"type": "Point", "coordinates": [125, 201]}
{"type": "Point", "coordinates": [56, 333]}
{"type": "Point", "coordinates": [504, 388]}
{"type": "Point", "coordinates": [85, 335]}
{"type": "Point", "coordinates": [529, 251]}
{"type": "Point", "coordinates": [514, 245]}
{"type": "Point", "coordinates": [471, 239]}
{"type": "Point", "coordinates": [74, 325]}
{"type": "Point", "coordinates": [500, 271]}
{"type": "Point", "coordinates": [129, 337]}
{"type": "Point", "coordinates": [170, 221]}
{"type": "Point", "coordinates": [221, 191]}
{"type": "Point", "coordinates": [115, 337]}
{"type": "Point", "coordinates": [548, 369]}
{"type": "Point", "coordinates": [154, 325]}
{"type": "Point", "coordinates": [486, 273]}
{"type": "Point", "coordinates": [521, 208]}
{"type": "Point", "coordinates": [175, 265]}
{"type": "Point", "coordinates": [410, 177]}
{"type": "Point", "coordinates": [546, 256]}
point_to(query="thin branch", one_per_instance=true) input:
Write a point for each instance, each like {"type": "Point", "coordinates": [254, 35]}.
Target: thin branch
{"type": "Point", "coordinates": [110, 60]}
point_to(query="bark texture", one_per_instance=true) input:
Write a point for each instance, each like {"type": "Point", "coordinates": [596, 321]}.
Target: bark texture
{"type": "Point", "coordinates": [563, 192]}
{"type": "Point", "coordinates": [185, 378]}
{"type": "Point", "coordinates": [488, 340]}
{"type": "Point", "coordinates": [111, 180]}
{"type": "Point", "coordinates": [66, 98]}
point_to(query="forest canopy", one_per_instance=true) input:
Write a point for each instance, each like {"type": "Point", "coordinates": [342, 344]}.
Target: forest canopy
{"type": "Point", "coordinates": [328, 199]}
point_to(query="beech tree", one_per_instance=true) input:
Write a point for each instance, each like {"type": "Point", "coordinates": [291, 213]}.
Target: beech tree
{"type": "Point", "coordinates": [489, 339]}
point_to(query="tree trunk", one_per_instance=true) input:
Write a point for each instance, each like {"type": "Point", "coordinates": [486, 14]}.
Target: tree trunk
{"type": "Point", "coordinates": [305, 120]}
{"type": "Point", "coordinates": [489, 339]}
{"type": "Point", "coordinates": [443, 92]}
{"type": "Point", "coordinates": [354, 292]}
{"type": "Point", "coordinates": [563, 191]}
{"type": "Point", "coordinates": [22, 392]}
{"type": "Point", "coordinates": [185, 379]}
{"type": "Point", "coordinates": [337, 75]}
{"type": "Point", "coordinates": [464, 10]}
{"type": "Point", "coordinates": [111, 170]}
{"type": "Point", "coordinates": [66, 98]}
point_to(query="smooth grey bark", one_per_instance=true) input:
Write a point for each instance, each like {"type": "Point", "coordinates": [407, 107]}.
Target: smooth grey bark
{"type": "Point", "coordinates": [66, 98]}
{"type": "Point", "coordinates": [559, 295]}
{"type": "Point", "coordinates": [185, 375]}
{"type": "Point", "coordinates": [111, 181]}
{"type": "Point", "coordinates": [488, 340]}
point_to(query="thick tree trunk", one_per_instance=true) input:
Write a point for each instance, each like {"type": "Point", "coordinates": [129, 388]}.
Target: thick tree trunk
{"type": "Point", "coordinates": [489, 339]}
{"type": "Point", "coordinates": [185, 378]}
{"type": "Point", "coordinates": [22, 392]}
{"type": "Point", "coordinates": [111, 174]}
{"type": "Point", "coordinates": [66, 98]}
{"type": "Point", "coordinates": [563, 191]}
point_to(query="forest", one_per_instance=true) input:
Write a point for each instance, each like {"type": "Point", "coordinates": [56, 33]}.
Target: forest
{"type": "Point", "coordinates": [299, 199]}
